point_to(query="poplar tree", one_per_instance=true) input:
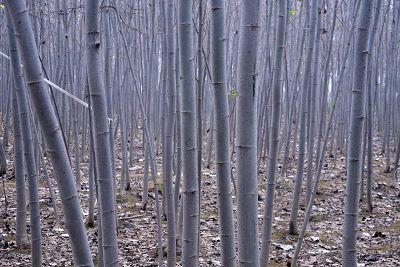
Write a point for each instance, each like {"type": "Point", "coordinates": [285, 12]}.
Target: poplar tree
{"type": "Point", "coordinates": [246, 138]}
{"type": "Point", "coordinates": [101, 135]}
{"type": "Point", "coordinates": [274, 134]}
{"type": "Point", "coordinates": [222, 155]}
{"type": "Point", "coordinates": [349, 241]}
{"type": "Point", "coordinates": [190, 188]}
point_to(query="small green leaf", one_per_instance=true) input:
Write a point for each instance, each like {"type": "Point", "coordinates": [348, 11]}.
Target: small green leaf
{"type": "Point", "coordinates": [292, 12]}
{"type": "Point", "coordinates": [234, 92]}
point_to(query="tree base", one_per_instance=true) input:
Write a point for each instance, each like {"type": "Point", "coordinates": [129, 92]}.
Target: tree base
{"type": "Point", "coordinates": [293, 229]}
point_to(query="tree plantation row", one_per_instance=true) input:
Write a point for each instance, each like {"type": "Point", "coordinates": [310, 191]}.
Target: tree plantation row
{"type": "Point", "coordinates": [200, 133]}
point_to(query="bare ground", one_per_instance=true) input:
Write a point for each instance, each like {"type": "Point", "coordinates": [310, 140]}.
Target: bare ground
{"type": "Point", "coordinates": [378, 232]}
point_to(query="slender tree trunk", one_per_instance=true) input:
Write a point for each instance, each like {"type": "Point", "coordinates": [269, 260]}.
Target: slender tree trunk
{"type": "Point", "coordinates": [349, 245]}
{"type": "Point", "coordinates": [33, 186]}
{"type": "Point", "coordinates": [246, 143]}
{"type": "Point", "coordinates": [178, 140]}
{"type": "Point", "coordinates": [199, 103]}
{"type": "Point", "coordinates": [302, 136]}
{"type": "Point", "coordinates": [223, 166]}
{"type": "Point", "coordinates": [7, 120]}
{"type": "Point", "coordinates": [20, 235]}
{"type": "Point", "coordinates": [101, 135]}
{"type": "Point", "coordinates": [274, 133]}
{"type": "Point", "coordinates": [109, 92]}
{"type": "Point", "coordinates": [314, 82]}
{"type": "Point", "coordinates": [210, 139]}
{"type": "Point", "coordinates": [370, 115]}
{"type": "Point", "coordinates": [91, 178]}
{"type": "Point", "coordinates": [189, 140]}
{"type": "Point", "coordinates": [169, 149]}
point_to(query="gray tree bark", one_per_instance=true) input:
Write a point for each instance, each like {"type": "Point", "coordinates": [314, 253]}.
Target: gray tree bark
{"type": "Point", "coordinates": [101, 135]}
{"type": "Point", "coordinates": [21, 234]}
{"type": "Point", "coordinates": [223, 165]}
{"type": "Point", "coordinates": [169, 149]}
{"type": "Point", "coordinates": [349, 242]}
{"type": "Point", "coordinates": [190, 237]}
{"type": "Point", "coordinates": [370, 115]}
{"type": "Point", "coordinates": [246, 142]}
{"type": "Point", "coordinates": [30, 165]}
{"type": "Point", "coordinates": [274, 133]}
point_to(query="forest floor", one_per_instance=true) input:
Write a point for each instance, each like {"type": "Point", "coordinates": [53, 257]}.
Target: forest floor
{"type": "Point", "coordinates": [378, 232]}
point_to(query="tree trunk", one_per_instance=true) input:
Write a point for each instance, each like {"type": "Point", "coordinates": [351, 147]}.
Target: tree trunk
{"type": "Point", "coordinates": [21, 237]}
{"type": "Point", "coordinates": [349, 243]}
{"type": "Point", "coordinates": [274, 133]}
{"type": "Point", "coordinates": [223, 165]}
{"type": "Point", "coordinates": [30, 165]}
{"type": "Point", "coordinates": [189, 140]}
{"type": "Point", "coordinates": [169, 137]}
{"type": "Point", "coordinates": [246, 143]}
{"type": "Point", "coordinates": [302, 136]}
{"type": "Point", "coordinates": [101, 135]}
